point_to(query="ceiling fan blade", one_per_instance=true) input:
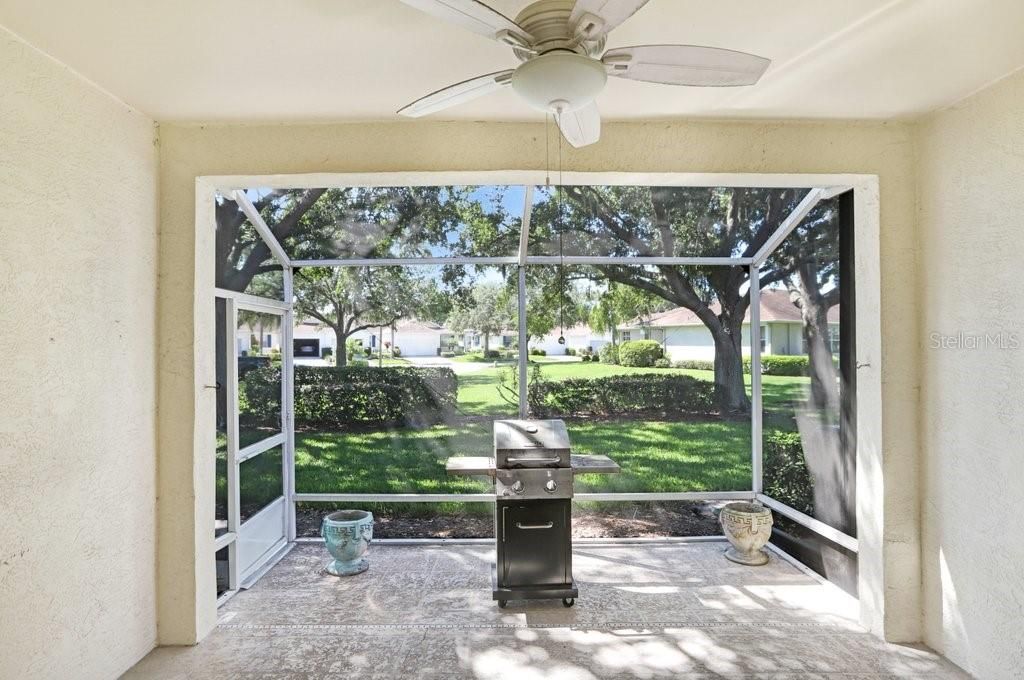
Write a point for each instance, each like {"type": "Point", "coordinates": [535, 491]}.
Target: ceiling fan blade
{"type": "Point", "coordinates": [582, 126]}
{"type": "Point", "coordinates": [457, 94]}
{"type": "Point", "coordinates": [477, 17]}
{"type": "Point", "coordinates": [686, 65]}
{"type": "Point", "coordinates": [594, 18]}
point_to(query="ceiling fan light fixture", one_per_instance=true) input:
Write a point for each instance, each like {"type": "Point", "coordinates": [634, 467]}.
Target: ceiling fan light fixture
{"type": "Point", "coordinates": [559, 81]}
{"type": "Point", "coordinates": [559, 43]}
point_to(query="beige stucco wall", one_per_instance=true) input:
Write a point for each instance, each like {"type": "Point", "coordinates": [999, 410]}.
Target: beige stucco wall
{"type": "Point", "coordinates": [78, 432]}
{"type": "Point", "coordinates": [78, 257]}
{"type": "Point", "coordinates": [971, 214]}
{"type": "Point", "coordinates": [187, 152]}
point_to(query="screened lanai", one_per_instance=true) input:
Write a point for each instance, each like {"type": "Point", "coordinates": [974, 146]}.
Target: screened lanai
{"type": "Point", "coordinates": [736, 287]}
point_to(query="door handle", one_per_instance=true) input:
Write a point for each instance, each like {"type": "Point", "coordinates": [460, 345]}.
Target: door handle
{"type": "Point", "coordinates": [515, 459]}
{"type": "Point", "coordinates": [546, 525]}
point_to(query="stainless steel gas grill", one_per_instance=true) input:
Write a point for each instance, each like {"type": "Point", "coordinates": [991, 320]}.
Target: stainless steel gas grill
{"type": "Point", "coordinates": [533, 471]}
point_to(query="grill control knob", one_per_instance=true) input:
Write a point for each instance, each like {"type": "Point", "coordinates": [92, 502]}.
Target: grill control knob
{"type": "Point", "coordinates": [517, 486]}
{"type": "Point", "coordinates": [550, 486]}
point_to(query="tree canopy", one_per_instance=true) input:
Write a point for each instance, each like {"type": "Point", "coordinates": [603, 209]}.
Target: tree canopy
{"type": "Point", "coordinates": [351, 299]}
{"type": "Point", "coordinates": [675, 222]}
{"type": "Point", "coordinates": [619, 304]}
{"type": "Point", "coordinates": [489, 310]}
{"type": "Point", "coordinates": [373, 222]}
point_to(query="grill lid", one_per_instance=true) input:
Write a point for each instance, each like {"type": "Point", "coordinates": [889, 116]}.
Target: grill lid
{"type": "Point", "coordinates": [518, 435]}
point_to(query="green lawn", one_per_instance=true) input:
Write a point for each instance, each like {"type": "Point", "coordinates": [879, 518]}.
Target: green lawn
{"type": "Point", "coordinates": [683, 455]}
{"type": "Point", "coordinates": [655, 456]}
{"type": "Point", "coordinates": [477, 358]}
{"type": "Point", "coordinates": [698, 454]}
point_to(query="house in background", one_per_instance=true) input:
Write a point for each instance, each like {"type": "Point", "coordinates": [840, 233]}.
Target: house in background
{"type": "Point", "coordinates": [413, 338]}
{"type": "Point", "coordinates": [249, 337]}
{"type": "Point", "coordinates": [310, 338]}
{"type": "Point", "coordinates": [474, 340]}
{"type": "Point", "coordinates": [684, 336]}
{"type": "Point", "coordinates": [578, 337]}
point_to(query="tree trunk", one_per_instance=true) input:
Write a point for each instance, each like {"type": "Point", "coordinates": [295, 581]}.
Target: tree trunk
{"type": "Point", "coordinates": [730, 392]}
{"type": "Point", "coordinates": [814, 306]}
{"type": "Point", "coordinates": [339, 339]}
{"type": "Point", "coordinates": [824, 387]}
{"type": "Point", "coordinates": [487, 343]}
{"type": "Point", "coordinates": [814, 310]}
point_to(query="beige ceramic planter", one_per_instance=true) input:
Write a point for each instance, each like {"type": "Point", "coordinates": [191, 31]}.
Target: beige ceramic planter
{"type": "Point", "coordinates": [748, 526]}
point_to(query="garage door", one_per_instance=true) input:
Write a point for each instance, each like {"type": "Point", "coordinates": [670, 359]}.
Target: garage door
{"type": "Point", "coordinates": [306, 348]}
{"type": "Point", "coordinates": [417, 344]}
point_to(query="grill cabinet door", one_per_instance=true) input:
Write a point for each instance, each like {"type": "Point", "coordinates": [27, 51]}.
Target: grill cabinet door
{"type": "Point", "coordinates": [535, 543]}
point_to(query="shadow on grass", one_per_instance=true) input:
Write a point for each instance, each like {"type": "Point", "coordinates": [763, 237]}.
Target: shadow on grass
{"type": "Point", "coordinates": [656, 452]}
{"type": "Point", "coordinates": [654, 455]}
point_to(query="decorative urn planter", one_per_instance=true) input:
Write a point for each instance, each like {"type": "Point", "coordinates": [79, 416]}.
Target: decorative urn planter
{"type": "Point", "coordinates": [347, 534]}
{"type": "Point", "coordinates": [748, 526]}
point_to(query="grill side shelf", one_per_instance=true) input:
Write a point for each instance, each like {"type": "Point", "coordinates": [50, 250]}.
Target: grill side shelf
{"type": "Point", "coordinates": [470, 466]}
{"type": "Point", "coordinates": [589, 464]}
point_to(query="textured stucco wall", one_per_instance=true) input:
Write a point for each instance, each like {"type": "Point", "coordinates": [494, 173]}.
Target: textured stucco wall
{"type": "Point", "coordinates": [971, 224]}
{"type": "Point", "coordinates": [188, 152]}
{"type": "Point", "coordinates": [78, 257]}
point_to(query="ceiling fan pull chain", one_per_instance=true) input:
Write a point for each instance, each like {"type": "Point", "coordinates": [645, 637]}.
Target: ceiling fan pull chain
{"type": "Point", "coordinates": [561, 254]}
{"type": "Point", "coordinates": [560, 184]}
{"type": "Point", "coordinates": [547, 152]}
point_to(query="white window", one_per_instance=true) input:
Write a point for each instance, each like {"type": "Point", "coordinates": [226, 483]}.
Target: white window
{"type": "Point", "coordinates": [625, 336]}
{"type": "Point", "coordinates": [764, 338]}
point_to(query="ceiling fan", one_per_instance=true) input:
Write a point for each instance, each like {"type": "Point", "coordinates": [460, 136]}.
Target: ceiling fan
{"type": "Point", "coordinates": [558, 42]}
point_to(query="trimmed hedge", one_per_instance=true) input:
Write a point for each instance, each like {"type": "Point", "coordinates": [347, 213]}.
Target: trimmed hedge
{"type": "Point", "coordinates": [340, 397]}
{"type": "Point", "coordinates": [621, 395]}
{"type": "Point", "coordinates": [786, 478]}
{"type": "Point", "coordinates": [694, 364]}
{"type": "Point", "coordinates": [639, 353]}
{"type": "Point", "coordinates": [779, 364]}
{"type": "Point", "coordinates": [771, 364]}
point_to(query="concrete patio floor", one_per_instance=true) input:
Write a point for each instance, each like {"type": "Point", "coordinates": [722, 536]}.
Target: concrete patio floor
{"type": "Point", "coordinates": [645, 611]}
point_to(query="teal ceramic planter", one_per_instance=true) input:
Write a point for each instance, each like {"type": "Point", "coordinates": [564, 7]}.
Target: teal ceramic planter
{"type": "Point", "coordinates": [347, 534]}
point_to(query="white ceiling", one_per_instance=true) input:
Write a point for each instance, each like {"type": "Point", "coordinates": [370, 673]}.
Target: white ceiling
{"type": "Point", "coordinates": [335, 60]}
